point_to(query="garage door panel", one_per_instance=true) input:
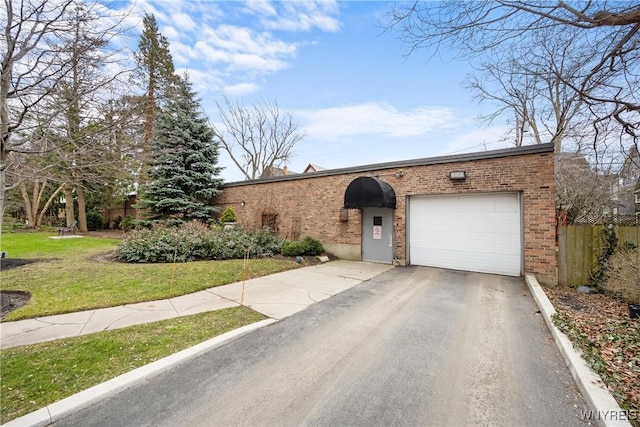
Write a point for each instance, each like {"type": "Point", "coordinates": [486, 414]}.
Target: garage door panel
{"type": "Point", "coordinates": [468, 261]}
{"type": "Point", "coordinates": [467, 232]}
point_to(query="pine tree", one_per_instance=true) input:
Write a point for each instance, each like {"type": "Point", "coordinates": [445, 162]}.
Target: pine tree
{"type": "Point", "coordinates": [155, 67]}
{"type": "Point", "coordinates": [183, 176]}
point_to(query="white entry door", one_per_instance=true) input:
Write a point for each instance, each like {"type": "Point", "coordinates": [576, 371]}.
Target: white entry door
{"type": "Point", "coordinates": [377, 235]}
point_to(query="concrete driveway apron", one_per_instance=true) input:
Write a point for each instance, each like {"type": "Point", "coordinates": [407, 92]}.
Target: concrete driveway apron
{"type": "Point", "coordinates": [412, 346]}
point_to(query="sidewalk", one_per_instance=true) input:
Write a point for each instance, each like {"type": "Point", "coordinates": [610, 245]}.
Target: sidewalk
{"type": "Point", "coordinates": [277, 296]}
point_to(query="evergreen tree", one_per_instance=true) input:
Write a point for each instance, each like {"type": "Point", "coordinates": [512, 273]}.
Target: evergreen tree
{"type": "Point", "coordinates": [183, 176]}
{"type": "Point", "coordinates": [156, 69]}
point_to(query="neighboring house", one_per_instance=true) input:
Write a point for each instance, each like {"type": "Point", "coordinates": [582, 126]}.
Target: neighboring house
{"type": "Point", "coordinates": [276, 171]}
{"type": "Point", "coordinates": [625, 190]}
{"type": "Point", "coordinates": [313, 168]}
{"type": "Point", "coordinates": [491, 212]}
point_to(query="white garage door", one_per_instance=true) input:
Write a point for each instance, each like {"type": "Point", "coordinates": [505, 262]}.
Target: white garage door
{"type": "Point", "coordinates": [474, 232]}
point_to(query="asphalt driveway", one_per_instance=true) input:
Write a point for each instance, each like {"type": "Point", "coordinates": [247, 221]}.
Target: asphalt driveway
{"type": "Point", "coordinates": [412, 346]}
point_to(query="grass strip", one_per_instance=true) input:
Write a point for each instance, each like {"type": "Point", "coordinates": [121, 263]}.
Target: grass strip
{"type": "Point", "coordinates": [37, 375]}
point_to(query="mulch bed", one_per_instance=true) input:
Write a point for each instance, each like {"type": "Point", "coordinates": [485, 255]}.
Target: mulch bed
{"type": "Point", "coordinates": [12, 300]}
{"type": "Point", "coordinates": [108, 234]}
{"type": "Point", "coordinates": [606, 327]}
{"type": "Point", "coordinates": [9, 263]}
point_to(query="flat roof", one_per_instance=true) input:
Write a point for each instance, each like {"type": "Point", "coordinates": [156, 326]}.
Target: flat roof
{"type": "Point", "coordinates": [456, 158]}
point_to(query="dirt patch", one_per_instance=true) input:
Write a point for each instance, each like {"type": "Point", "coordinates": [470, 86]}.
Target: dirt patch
{"type": "Point", "coordinates": [104, 257]}
{"type": "Point", "coordinates": [594, 305]}
{"type": "Point", "coordinates": [9, 263]}
{"type": "Point", "coordinates": [107, 234]}
{"type": "Point", "coordinates": [12, 300]}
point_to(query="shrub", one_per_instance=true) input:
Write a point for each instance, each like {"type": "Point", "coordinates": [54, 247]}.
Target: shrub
{"type": "Point", "coordinates": [307, 246]}
{"type": "Point", "coordinates": [10, 224]}
{"type": "Point", "coordinates": [292, 248]}
{"type": "Point", "coordinates": [228, 215]}
{"type": "Point", "coordinates": [94, 220]}
{"type": "Point", "coordinates": [313, 246]}
{"type": "Point", "coordinates": [623, 275]}
{"type": "Point", "coordinates": [115, 223]}
{"type": "Point", "coordinates": [127, 224]}
{"type": "Point", "coordinates": [159, 244]}
{"type": "Point", "coordinates": [195, 241]}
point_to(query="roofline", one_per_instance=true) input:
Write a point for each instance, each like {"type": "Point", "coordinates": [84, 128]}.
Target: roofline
{"type": "Point", "coordinates": [456, 158]}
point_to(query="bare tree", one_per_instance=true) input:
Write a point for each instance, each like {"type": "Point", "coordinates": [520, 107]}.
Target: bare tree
{"type": "Point", "coordinates": [34, 209]}
{"type": "Point", "coordinates": [605, 33]}
{"type": "Point", "coordinates": [31, 172]}
{"type": "Point", "coordinates": [30, 69]}
{"type": "Point", "coordinates": [122, 149]}
{"type": "Point", "coordinates": [78, 100]}
{"type": "Point", "coordinates": [581, 190]}
{"type": "Point", "coordinates": [55, 76]}
{"type": "Point", "coordinates": [257, 138]}
{"type": "Point", "coordinates": [528, 87]}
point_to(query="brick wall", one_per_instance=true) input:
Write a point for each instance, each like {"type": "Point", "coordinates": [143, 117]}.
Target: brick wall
{"type": "Point", "coordinates": [310, 205]}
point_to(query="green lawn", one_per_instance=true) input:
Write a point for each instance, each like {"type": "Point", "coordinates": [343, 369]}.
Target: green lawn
{"type": "Point", "coordinates": [37, 375]}
{"type": "Point", "coordinates": [73, 275]}
{"type": "Point", "coordinates": [36, 245]}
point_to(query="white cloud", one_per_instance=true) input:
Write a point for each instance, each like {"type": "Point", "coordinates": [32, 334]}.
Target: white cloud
{"type": "Point", "coordinates": [241, 39]}
{"type": "Point", "coordinates": [260, 7]}
{"type": "Point", "coordinates": [183, 21]}
{"type": "Point", "coordinates": [233, 38]}
{"type": "Point", "coordinates": [142, 7]}
{"type": "Point", "coordinates": [171, 33]}
{"type": "Point", "coordinates": [305, 16]}
{"type": "Point", "coordinates": [243, 50]}
{"type": "Point", "coordinates": [182, 54]}
{"type": "Point", "coordinates": [375, 118]}
{"type": "Point", "coordinates": [256, 63]}
{"type": "Point", "coordinates": [377, 132]}
{"type": "Point", "coordinates": [203, 81]}
{"type": "Point", "coordinates": [208, 53]}
{"type": "Point", "coordinates": [240, 89]}
{"type": "Point", "coordinates": [477, 139]}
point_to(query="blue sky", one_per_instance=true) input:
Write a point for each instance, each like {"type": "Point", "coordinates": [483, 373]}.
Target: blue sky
{"type": "Point", "coordinates": [347, 82]}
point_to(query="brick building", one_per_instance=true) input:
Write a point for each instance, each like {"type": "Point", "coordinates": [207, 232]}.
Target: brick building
{"type": "Point", "coordinates": [491, 212]}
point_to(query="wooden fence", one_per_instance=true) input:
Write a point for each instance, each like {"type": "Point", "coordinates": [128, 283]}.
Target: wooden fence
{"type": "Point", "coordinates": [581, 245]}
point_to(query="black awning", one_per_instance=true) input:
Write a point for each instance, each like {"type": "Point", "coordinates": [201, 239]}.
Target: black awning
{"type": "Point", "coordinates": [369, 192]}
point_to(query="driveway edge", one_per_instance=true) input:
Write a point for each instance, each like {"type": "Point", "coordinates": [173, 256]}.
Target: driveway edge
{"type": "Point", "coordinates": [605, 411]}
{"type": "Point", "coordinates": [71, 404]}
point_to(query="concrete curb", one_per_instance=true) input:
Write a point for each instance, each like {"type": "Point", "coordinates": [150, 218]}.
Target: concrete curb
{"type": "Point", "coordinates": [71, 404]}
{"type": "Point", "coordinates": [605, 410]}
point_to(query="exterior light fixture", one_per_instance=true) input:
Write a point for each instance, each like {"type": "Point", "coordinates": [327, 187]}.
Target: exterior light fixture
{"type": "Point", "coordinates": [399, 174]}
{"type": "Point", "coordinates": [457, 175]}
{"type": "Point", "coordinates": [242, 203]}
